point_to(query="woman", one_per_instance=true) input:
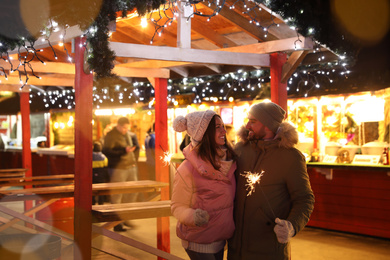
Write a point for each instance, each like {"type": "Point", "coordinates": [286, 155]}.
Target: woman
{"type": "Point", "coordinates": [204, 186]}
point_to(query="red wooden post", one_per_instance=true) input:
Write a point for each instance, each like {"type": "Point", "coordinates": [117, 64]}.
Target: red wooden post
{"type": "Point", "coordinates": [278, 89]}
{"type": "Point", "coordinates": [83, 156]}
{"type": "Point", "coordinates": [26, 136]}
{"type": "Point", "coordinates": [162, 172]}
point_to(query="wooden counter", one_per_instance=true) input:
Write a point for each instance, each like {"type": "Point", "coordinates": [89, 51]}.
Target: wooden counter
{"type": "Point", "coordinates": [42, 164]}
{"type": "Point", "coordinates": [351, 198]}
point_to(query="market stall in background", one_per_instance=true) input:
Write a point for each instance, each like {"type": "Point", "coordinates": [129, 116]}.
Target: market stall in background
{"type": "Point", "coordinates": [335, 129]}
{"type": "Point", "coordinates": [331, 129]}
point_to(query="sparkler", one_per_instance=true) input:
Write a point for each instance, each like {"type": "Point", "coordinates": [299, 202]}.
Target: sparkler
{"type": "Point", "coordinates": [166, 158]}
{"type": "Point", "coordinates": [252, 179]}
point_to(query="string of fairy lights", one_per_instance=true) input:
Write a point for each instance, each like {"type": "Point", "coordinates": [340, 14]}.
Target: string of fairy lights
{"type": "Point", "coordinates": [227, 87]}
{"type": "Point", "coordinates": [169, 12]}
{"type": "Point", "coordinates": [27, 53]}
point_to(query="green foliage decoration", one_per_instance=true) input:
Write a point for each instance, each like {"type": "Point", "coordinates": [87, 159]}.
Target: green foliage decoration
{"type": "Point", "coordinates": [102, 57]}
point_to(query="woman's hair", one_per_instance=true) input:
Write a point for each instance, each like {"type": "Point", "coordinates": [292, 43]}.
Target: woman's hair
{"type": "Point", "coordinates": [208, 149]}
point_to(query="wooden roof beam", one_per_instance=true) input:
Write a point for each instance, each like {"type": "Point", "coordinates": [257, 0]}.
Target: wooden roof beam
{"type": "Point", "coordinates": [48, 67]}
{"type": "Point", "coordinates": [68, 68]}
{"type": "Point", "coordinates": [291, 65]}
{"type": "Point", "coordinates": [216, 68]}
{"type": "Point", "coordinates": [211, 35]}
{"type": "Point", "coordinates": [121, 36]}
{"type": "Point", "coordinates": [320, 57]}
{"type": "Point", "coordinates": [242, 22]}
{"type": "Point", "coordinates": [189, 55]}
{"type": "Point", "coordinates": [44, 81]}
{"type": "Point", "coordinates": [13, 87]}
{"type": "Point", "coordinates": [55, 38]}
{"type": "Point", "coordinates": [285, 45]}
{"type": "Point", "coordinates": [152, 64]}
{"type": "Point", "coordinates": [182, 71]}
{"type": "Point", "coordinates": [141, 72]}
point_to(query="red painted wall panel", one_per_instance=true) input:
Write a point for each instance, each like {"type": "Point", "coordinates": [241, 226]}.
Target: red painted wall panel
{"type": "Point", "coordinates": [356, 201]}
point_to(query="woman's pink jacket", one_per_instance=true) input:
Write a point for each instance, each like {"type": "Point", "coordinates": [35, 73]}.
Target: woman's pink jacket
{"type": "Point", "coordinates": [198, 185]}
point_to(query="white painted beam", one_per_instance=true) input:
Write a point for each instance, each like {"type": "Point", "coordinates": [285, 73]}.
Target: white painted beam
{"type": "Point", "coordinates": [285, 45]}
{"type": "Point", "coordinates": [215, 68]}
{"type": "Point", "coordinates": [184, 25]}
{"type": "Point", "coordinates": [68, 68]}
{"type": "Point", "coordinates": [189, 55]}
{"type": "Point", "coordinates": [182, 71]}
{"type": "Point", "coordinates": [141, 72]}
{"type": "Point", "coordinates": [64, 35]}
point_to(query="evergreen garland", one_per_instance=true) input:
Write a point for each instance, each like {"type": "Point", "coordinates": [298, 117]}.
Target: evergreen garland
{"type": "Point", "coordinates": [102, 57]}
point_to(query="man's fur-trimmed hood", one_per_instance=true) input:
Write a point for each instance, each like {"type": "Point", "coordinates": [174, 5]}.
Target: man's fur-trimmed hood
{"type": "Point", "coordinates": [287, 134]}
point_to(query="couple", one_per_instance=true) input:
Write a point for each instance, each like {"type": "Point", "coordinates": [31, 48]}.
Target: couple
{"type": "Point", "coordinates": [210, 209]}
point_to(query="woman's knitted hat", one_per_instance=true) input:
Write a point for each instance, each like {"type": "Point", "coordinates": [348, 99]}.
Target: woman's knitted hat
{"type": "Point", "coordinates": [195, 123]}
{"type": "Point", "coordinates": [269, 114]}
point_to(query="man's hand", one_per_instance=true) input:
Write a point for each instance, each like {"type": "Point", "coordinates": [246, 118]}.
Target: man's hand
{"type": "Point", "coordinates": [284, 230]}
{"type": "Point", "coordinates": [130, 149]}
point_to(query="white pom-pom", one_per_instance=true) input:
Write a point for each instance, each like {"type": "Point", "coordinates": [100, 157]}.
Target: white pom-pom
{"type": "Point", "coordinates": [180, 124]}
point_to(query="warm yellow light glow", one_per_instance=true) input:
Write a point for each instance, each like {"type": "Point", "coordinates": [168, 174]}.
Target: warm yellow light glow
{"type": "Point", "coordinates": [62, 125]}
{"type": "Point", "coordinates": [123, 111]}
{"type": "Point", "coordinates": [331, 120]}
{"type": "Point", "coordinates": [371, 109]}
{"type": "Point", "coordinates": [56, 125]}
{"type": "Point", "coordinates": [309, 125]}
{"type": "Point", "coordinates": [231, 99]}
{"type": "Point", "coordinates": [103, 112]}
{"type": "Point", "coordinates": [144, 22]}
{"type": "Point", "coordinates": [240, 113]}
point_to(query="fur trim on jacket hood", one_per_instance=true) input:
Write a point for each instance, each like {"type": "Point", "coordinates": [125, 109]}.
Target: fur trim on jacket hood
{"type": "Point", "coordinates": [287, 134]}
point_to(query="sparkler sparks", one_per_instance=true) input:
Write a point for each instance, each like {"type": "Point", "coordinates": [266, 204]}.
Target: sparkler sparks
{"type": "Point", "coordinates": [252, 179]}
{"type": "Point", "coordinates": [166, 158]}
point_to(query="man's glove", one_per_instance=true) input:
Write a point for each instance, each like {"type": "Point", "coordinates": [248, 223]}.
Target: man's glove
{"type": "Point", "coordinates": [201, 217]}
{"type": "Point", "coordinates": [284, 230]}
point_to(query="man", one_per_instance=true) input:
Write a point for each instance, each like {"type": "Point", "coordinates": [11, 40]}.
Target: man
{"type": "Point", "coordinates": [281, 203]}
{"type": "Point", "coordinates": [119, 150]}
